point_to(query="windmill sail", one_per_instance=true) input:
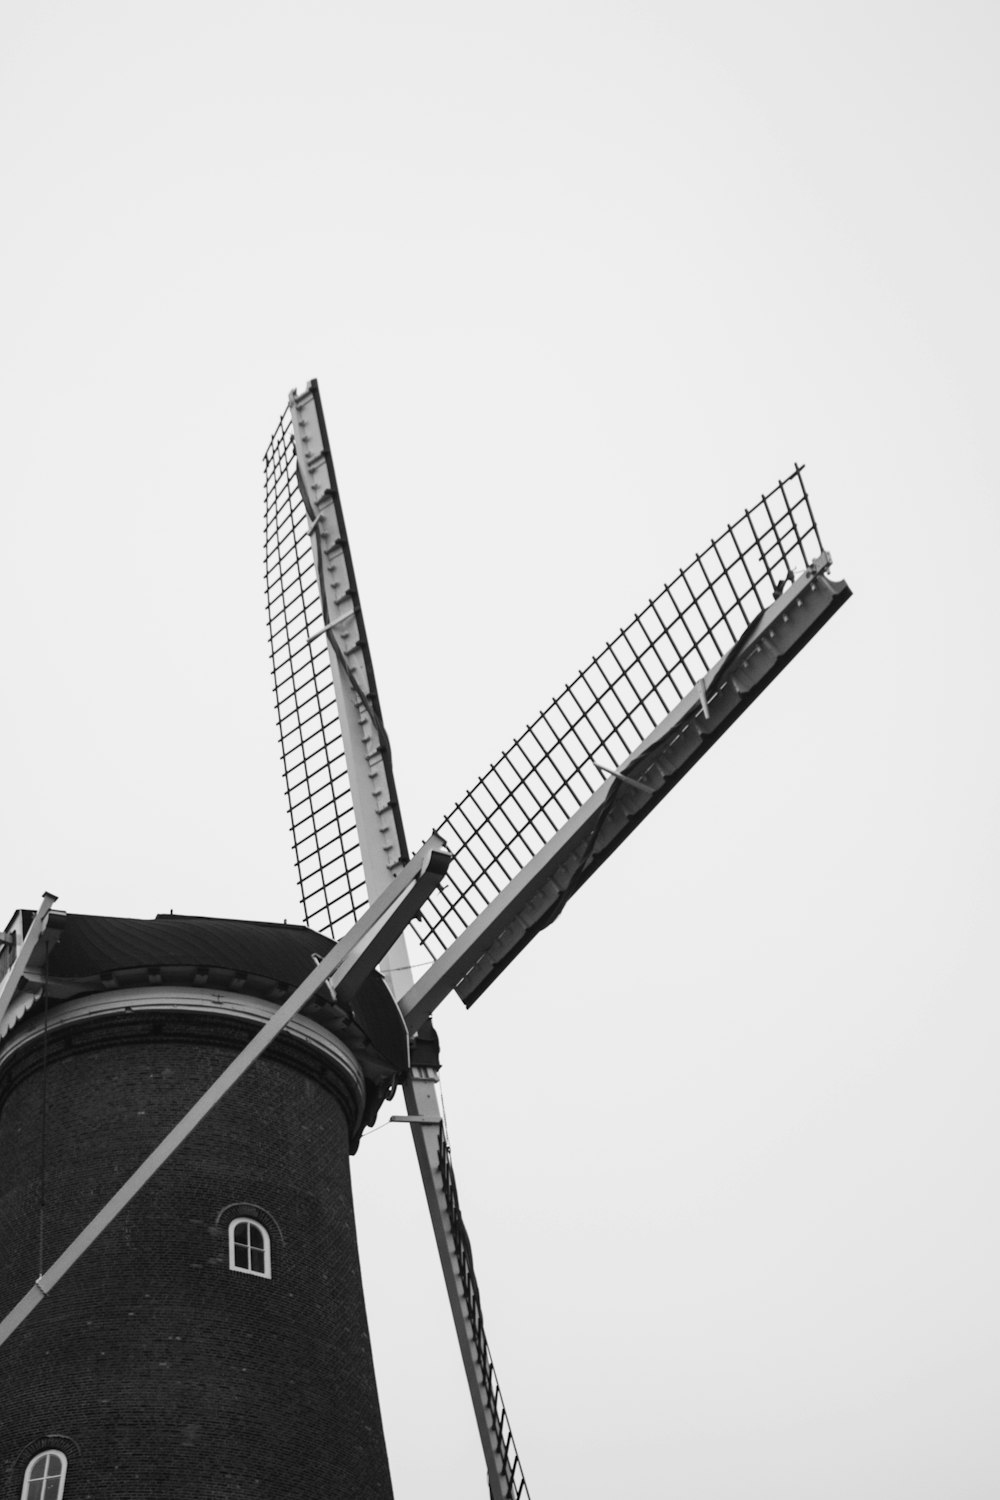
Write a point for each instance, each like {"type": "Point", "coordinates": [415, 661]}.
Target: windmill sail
{"type": "Point", "coordinates": [505, 1472]}
{"type": "Point", "coordinates": [618, 737]}
{"type": "Point", "coordinates": [338, 775]}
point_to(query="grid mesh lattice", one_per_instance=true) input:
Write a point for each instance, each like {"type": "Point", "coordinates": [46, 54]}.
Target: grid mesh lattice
{"type": "Point", "coordinates": [506, 1452]}
{"type": "Point", "coordinates": [320, 808]}
{"type": "Point", "coordinates": [602, 716]}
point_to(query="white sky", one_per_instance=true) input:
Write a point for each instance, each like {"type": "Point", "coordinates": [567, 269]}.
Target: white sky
{"type": "Point", "coordinates": [578, 283]}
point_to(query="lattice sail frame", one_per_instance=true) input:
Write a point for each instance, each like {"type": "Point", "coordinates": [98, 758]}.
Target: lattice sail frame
{"type": "Point", "coordinates": [601, 718]}
{"type": "Point", "coordinates": [512, 1475]}
{"type": "Point", "coordinates": [554, 771]}
{"type": "Point", "coordinates": [320, 806]}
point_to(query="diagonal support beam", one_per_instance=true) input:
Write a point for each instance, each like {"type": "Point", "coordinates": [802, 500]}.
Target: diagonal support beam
{"type": "Point", "coordinates": [354, 956]}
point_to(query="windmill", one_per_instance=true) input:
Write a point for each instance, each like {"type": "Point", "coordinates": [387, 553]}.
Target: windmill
{"type": "Point", "coordinates": [501, 864]}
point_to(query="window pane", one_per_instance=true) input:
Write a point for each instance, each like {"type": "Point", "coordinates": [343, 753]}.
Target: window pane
{"type": "Point", "coordinates": [44, 1477]}
{"type": "Point", "coordinates": [249, 1247]}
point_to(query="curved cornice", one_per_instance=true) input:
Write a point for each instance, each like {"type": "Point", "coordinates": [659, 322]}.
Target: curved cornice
{"type": "Point", "coordinates": [176, 1000]}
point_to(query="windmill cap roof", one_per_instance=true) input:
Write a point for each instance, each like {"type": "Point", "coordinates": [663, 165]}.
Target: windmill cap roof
{"type": "Point", "coordinates": [89, 946]}
{"type": "Point", "coordinates": [85, 954]}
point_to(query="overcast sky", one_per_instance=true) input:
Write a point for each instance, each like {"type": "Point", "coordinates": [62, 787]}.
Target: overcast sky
{"type": "Point", "coordinates": [578, 282]}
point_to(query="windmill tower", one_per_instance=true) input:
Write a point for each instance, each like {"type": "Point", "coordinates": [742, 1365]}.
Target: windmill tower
{"type": "Point", "coordinates": [180, 1300]}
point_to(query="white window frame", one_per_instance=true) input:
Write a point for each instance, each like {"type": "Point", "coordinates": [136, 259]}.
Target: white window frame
{"type": "Point", "coordinates": [246, 1270]}
{"type": "Point", "coordinates": [29, 1473]}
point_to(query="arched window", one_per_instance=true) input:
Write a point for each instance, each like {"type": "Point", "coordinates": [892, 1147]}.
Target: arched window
{"type": "Point", "coordinates": [249, 1249]}
{"type": "Point", "coordinates": [45, 1476]}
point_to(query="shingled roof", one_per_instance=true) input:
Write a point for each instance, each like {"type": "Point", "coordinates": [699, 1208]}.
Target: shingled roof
{"type": "Point", "coordinates": [260, 956]}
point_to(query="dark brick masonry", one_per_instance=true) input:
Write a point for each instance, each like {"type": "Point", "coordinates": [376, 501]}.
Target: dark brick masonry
{"type": "Point", "coordinates": [158, 1370]}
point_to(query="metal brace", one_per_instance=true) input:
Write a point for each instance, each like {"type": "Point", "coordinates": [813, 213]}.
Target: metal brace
{"type": "Point", "coordinates": [637, 786]}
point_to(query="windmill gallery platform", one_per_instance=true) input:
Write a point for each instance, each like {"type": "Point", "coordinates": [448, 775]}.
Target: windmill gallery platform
{"type": "Point", "coordinates": [233, 1275]}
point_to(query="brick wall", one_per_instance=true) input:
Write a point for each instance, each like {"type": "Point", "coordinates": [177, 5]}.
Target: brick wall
{"type": "Point", "coordinates": [165, 1373]}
